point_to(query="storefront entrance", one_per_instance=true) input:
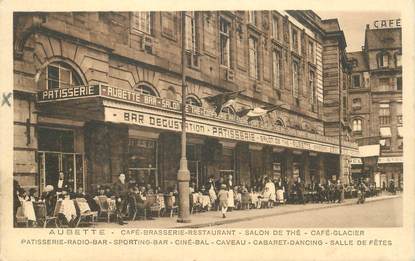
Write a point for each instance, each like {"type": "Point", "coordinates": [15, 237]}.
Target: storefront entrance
{"type": "Point", "coordinates": [142, 161]}
{"type": "Point", "coordinates": [56, 154]}
{"type": "Point", "coordinates": [71, 164]}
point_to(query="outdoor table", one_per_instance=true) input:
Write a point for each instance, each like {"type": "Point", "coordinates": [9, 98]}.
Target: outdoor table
{"type": "Point", "coordinates": [68, 209]}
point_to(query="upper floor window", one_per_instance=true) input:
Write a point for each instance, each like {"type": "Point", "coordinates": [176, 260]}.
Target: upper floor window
{"type": "Point", "coordinates": [224, 34]}
{"type": "Point", "coordinates": [276, 69]}
{"type": "Point", "coordinates": [384, 83]}
{"type": "Point", "coordinates": [294, 40]}
{"type": "Point", "coordinates": [252, 18]}
{"type": "Point", "coordinates": [383, 60]}
{"type": "Point", "coordinates": [356, 81]}
{"type": "Point", "coordinates": [190, 31]}
{"type": "Point", "coordinates": [357, 125]}
{"type": "Point", "coordinates": [253, 57]}
{"type": "Point", "coordinates": [384, 113]}
{"type": "Point", "coordinates": [274, 27]}
{"type": "Point", "coordinates": [146, 90]}
{"type": "Point", "coordinates": [398, 58]}
{"type": "Point", "coordinates": [311, 53]}
{"type": "Point", "coordinates": [312, 86]}
{"type": "Point", "coordinates": [142, 22]}
{"type": "Point", "coordinates": [296, 79]}
{"type": "Point", "coordinates": [399, 83]}
{"type": "Point", "coordinates": [61, 75]}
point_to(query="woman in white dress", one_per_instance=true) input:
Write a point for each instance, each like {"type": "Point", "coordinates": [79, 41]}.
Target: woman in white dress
{"type": "Point", "coordinates": [231, 199]}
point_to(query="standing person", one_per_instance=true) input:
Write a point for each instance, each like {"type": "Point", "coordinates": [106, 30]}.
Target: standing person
{"type": "Point", "coordinates": [62, 183]}
{"type": "Point", "coordinates": [339, 191]}
{"type": "Point", "coordinates": [210, 186]}
{"type": "Point", "coordinates": [223, 199]}
{"type": "Point", "coordinates": [271, 187]}
{"type": "Point", "coordinates": [219, 182]}
{"type": "Point", "coordinates": [300, 191]}
{"type": "Point", "coordinates": [16, 201]}
{"type": "Point", "coordinates": [120, 189]}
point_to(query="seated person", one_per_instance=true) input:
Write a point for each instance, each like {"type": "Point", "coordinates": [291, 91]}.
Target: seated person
{"type": "Point", "coordinates": [108, 192]}
{"type": "Point", "coordinates": [149, 189]}
{"type": "Point", "coordinates": [265, 198]}
{"type": "Point", "coordinates": [237, 197]}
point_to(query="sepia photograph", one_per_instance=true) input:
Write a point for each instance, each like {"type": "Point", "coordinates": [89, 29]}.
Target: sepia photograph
{"type": "Point", "coordinates": [283, 125]}
{"type": "Point", "coordinates": [213, 130]}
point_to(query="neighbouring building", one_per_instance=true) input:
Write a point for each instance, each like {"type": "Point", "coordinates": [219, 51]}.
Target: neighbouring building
{"type": "Point", "coordinates": [375, 105]}
{"type": "Point", "coordinates": [98, 93]}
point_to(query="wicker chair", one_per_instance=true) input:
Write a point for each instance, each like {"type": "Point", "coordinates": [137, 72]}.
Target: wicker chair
{"type": "Point", "coordinates": [104, 208]}
{"type": "Point", "coordinates": [86, 214]}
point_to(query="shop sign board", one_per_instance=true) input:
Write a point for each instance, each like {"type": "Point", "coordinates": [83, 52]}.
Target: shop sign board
{"type": "Point", "coordinates": [173, 123]}
{"type": "Point", "coordinates": [384, 160]}
{"type": "Point", "coordinates": [67, 93]}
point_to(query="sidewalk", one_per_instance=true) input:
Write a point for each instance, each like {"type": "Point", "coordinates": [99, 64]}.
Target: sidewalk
{"type": "Point", "coordinates": [214, 218]}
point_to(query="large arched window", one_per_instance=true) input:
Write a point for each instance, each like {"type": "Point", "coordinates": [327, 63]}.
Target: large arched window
{"type": "Point", "coordinates": [193, 100]}
{"type": "Point", "coordinates": [61, 75]}
{"type": "Point", "coordinates": [146, 89]}
{"type": "Point", "coordinates": [229, 110]}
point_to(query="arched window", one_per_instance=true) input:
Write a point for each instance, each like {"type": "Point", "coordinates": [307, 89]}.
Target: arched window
{"type": "Point", "coordinates": [193, 100]}
{"type": "Point", "coordinates": [280, 122]}
{"type": "Point", "coordinates": [383, 60]}
{"type": "Point", "coordinates": [229, 110]}
{"type": "Point", "coordinates": [146, 89]}
{"type": "Point", "coordinates": [61, 75]}
{"type": "Point", "coordinates": [357, 125]}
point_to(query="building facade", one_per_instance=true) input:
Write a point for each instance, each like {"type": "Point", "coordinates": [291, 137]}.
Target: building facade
{"type": "Point", "coordinates": [98, 94]}
{"type": "Point", "coordinates": [375, 103]}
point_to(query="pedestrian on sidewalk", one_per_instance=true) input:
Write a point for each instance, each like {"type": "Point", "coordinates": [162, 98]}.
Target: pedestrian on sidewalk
{"type": "Point", "coordinates": [223, 199]}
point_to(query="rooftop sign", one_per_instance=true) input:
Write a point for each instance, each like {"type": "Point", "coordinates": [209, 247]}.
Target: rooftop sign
{"type": "Point", "coordinates": [388, 23]}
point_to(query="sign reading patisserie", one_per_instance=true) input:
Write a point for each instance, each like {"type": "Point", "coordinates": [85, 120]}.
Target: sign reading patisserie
{"type": "Point", "coordinates": [68, 93]}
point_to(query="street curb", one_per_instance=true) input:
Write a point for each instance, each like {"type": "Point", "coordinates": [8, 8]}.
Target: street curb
{"type": "Point", "coordinates": [236, 220]}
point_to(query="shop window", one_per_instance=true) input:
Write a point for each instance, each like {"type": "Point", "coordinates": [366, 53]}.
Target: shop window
{"type": "Point", "coordinates": [357, 125]}
{"type": "Point", "coordinates": [253, 58]}
{"type": "Point", "coordinates": [274, 28]}
{"type": "Point", "coordinates": [141, 21]}
{"type": "Point", "coordinates": [295, 78]}
{"type": "Point", "coordinates": [55, 140]}
{"type": "Point", "coordinates": [225, 48]}
{"type": "Point", "coordinates": [356, 81]}
{"type": "Point", "coordinates": [192, 100]}
{"type": "Point", "coordinates": [142, 161]}
{"type": "Point", "coordinates": [384, 114]}
{"type": "Point", "coordinates": [383, 60]}
{"type": "Point", "coordinates": [399, 83]}
{"type": "Point", "coordinates": [146, 90]}
{"type": "Point", "coordinates": [356, 104]}
{"type": "Point", "coordinates": [61, 75]}
{"type": "Point", "coordinates": [276, 69]}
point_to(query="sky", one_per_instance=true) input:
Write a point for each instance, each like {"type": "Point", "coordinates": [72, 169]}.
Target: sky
{"type": "Point", "coordinates": [353, 24]}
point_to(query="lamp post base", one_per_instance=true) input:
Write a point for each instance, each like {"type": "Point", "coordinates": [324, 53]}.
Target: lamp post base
{"type": "Point", "coordinates": [183, 178]}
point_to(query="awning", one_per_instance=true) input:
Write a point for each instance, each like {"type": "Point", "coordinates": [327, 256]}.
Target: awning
{"type": "Point", "coordinates": [400, 132]}
{"type": "Point", "coordinates": [369, 150]}
{"type": "Point", "coordinates": [385, 132]}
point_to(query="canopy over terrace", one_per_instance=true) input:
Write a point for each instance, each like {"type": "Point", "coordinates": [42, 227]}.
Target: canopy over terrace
{"type": "Point", "coordinates": [116, 105]}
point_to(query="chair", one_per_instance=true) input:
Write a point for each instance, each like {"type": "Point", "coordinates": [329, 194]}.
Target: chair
{"type": "Point", "coordinates": [20, 217]}
{"type": "Point", "coordinates": [170, 205]}
{"type": "Point", "coordinates": [104, 208]}
{"type": "Point", "coordinates": [84, 212]}
{"type": "Point", "coordinates": [151, 204]}
{"type": "Point", "coordinates": [245, 200]}
{"type": "Point", "coordinates": [41, 213]}
{"type": "Point", "coordinates": [196, 206]}
{"type": "Point", "coordinates": [136, 206]}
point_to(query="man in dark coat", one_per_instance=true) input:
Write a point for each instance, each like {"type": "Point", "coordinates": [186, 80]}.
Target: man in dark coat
{"type": "Point", "coordinates": [120, 189]}
{"type": "Point", "coordinates": [16, 201]}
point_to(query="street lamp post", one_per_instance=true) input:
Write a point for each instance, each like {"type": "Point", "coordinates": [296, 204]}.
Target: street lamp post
{"type": "Point", "coordinates": [183, 175]}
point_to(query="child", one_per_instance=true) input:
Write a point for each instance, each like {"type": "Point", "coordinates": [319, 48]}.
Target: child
{"type": "Point", "coordinates": [223, 199]}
